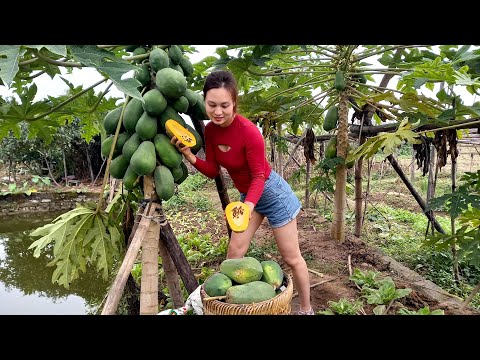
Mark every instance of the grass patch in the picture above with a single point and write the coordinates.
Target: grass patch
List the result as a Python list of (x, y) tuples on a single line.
[(400, 234)]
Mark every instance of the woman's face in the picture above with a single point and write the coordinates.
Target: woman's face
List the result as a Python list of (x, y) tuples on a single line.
[(219, 106)]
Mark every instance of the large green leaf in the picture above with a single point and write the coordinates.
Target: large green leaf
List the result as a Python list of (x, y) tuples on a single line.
[(85, 108), (71, 235), (456, 202), (7, 125), (9, 59), (106, 62), (388, 142), (56, 49), (100, 251)]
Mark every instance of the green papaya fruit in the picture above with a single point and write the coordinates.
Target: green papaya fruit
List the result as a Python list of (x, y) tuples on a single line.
[(146, 126), (166, 151), (118, 167), (339, 83), (164, 183), (158, 59), (242, 270), (144, 159), (331, 148), (217, 284), (248, 293), (155, 103), (331, 118), (171, 83), (272, 273), (133, 111)]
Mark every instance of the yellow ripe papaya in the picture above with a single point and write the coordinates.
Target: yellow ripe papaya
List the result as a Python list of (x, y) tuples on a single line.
[(173, 128), (238, 216)]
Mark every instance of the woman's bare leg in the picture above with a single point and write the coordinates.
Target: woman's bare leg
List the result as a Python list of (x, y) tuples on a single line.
[(239, 242), (287, 241)]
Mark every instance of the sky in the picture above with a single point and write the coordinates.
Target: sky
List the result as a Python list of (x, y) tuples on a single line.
[(88, 76)]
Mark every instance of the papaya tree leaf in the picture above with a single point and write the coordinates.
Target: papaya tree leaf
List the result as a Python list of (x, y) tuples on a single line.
[(419, 82), (64, 274), (446, 115), (86, 109), (70, 256), (388, 142), (456, 203), (465, 79), (43, 129), (56, 49), (106, 62), (99, 248), (7, 125), (72, 234), (9, 59), (27, 109), (239, 67), (56, 230)]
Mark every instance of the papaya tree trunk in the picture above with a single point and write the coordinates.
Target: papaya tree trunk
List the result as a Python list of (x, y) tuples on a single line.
[(456, 272), (366, 119), (337, 230), (359, 193), (65, 167), (307, 181), (279, 152), (89, 162)]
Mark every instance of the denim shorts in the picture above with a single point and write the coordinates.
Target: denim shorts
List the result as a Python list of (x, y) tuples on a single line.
[(278, 202)]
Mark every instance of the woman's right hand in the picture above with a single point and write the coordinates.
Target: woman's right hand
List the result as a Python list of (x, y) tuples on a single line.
[(185, 150)]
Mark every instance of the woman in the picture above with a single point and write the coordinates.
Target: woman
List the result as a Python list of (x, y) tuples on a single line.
[(235, 143)]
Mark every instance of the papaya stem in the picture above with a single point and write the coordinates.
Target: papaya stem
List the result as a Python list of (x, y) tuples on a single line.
[(58, 63), (66, 101), (109, 160)]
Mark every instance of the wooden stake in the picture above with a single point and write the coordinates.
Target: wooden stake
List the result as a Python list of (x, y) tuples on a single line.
[(118, 285)]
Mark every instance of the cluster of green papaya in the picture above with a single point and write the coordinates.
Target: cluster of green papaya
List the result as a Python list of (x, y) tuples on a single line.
[(245, 280), (143, 145)]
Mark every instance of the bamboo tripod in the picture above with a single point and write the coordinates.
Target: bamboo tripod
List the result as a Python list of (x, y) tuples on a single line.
[(155, 237)]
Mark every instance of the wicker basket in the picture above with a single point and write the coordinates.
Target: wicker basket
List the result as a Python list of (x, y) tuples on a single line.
[(278, 305)]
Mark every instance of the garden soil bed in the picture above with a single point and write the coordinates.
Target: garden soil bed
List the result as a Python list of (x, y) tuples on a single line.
[(331, 263)]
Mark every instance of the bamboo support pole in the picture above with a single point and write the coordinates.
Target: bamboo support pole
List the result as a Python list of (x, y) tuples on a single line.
[(118, 285)]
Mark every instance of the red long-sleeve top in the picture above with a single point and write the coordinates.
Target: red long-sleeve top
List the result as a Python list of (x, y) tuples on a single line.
[(245, 161)]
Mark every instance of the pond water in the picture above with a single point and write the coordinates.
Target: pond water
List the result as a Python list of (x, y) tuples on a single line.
[(26, 286)]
